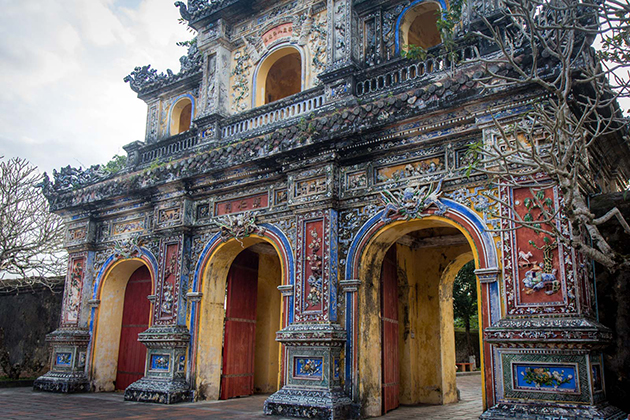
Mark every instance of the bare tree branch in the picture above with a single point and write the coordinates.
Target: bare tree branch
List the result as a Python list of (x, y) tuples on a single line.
[(31, 238), (548, 45)]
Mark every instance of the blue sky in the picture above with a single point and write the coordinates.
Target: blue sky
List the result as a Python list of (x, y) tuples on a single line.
[(62, 98)]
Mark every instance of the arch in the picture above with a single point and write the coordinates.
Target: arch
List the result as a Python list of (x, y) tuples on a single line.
[(266, 68), (181, 114), (369, 247), (407, 18), (105, 319), (217, 256)]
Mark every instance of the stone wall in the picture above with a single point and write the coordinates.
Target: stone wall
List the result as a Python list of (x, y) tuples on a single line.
[(460, 346), (613, 296), (26, 316)]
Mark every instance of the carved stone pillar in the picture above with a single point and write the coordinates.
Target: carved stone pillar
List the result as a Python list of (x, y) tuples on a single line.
[(314, 342), (168, 337), (342, 51), (69, 343), (214, 98), (548, 344)]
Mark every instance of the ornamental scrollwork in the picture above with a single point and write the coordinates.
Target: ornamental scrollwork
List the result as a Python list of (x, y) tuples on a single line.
[(69, 178), (411, 202), (144, 77), (238, 226), (315, 280), (128, 248)]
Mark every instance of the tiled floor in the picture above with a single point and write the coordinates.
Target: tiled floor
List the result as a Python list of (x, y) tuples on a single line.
[(23, 403)]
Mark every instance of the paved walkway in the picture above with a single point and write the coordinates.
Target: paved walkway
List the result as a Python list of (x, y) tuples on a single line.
[(23, 403)]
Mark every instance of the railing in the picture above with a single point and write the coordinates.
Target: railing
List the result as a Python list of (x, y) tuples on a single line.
[(274, 112), (413, 71), (172, 146)]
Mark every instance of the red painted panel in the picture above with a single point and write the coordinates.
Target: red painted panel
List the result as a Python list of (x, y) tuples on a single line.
[(313, 266), (253, 202), (389, 319), (132, 354), (531, 257), (237, 378)]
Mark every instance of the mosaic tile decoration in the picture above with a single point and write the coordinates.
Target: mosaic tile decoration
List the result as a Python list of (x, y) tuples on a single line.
[(63, 359), (545, 378), (541, 369), (160, 362), (308, 367)]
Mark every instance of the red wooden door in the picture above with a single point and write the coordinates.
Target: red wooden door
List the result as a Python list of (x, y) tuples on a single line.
[(132, 354), (389, 321), (237, 378)]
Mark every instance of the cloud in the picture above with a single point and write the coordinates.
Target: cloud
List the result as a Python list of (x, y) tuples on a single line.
[(62, 98)]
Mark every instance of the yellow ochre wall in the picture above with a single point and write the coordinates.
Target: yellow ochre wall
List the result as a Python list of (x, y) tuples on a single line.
[(268, 322), (425, 313)]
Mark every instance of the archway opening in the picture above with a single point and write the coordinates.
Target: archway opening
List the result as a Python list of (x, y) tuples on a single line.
[(181, 116), (135, 319), (239, 316), (419, 26), (279, 76), (407, 353), (118, 359)]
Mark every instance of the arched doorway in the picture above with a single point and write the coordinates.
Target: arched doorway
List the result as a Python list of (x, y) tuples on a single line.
[(416, 313), (417, 25), (124, 310), (252, 317), (363, 322), (135, 319), (278, 76), (239, 315), (181, 116)]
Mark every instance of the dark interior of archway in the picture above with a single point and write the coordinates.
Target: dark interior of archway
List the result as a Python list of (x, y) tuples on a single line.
[(423, 30), (433, 237), (284, 78), (184, 118)]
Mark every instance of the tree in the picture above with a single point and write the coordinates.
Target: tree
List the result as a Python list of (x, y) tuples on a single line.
[(548, 45), (465, 299), (31, 238)]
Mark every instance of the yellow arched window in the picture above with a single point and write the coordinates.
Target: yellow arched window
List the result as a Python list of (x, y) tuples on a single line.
[(419, 25), (181, 116), (279, 76)]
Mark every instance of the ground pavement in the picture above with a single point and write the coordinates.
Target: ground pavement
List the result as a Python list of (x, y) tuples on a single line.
[(23, 403)]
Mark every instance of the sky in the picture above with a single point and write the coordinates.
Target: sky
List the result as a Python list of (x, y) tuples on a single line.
[(62, 63)]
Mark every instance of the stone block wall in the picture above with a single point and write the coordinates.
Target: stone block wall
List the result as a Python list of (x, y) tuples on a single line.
[(26, 316)]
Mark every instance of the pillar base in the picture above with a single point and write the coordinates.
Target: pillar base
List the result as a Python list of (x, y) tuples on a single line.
[(62, 382), (312, 404), (514, 411), (158, 391), (165, 380), (67, 374)]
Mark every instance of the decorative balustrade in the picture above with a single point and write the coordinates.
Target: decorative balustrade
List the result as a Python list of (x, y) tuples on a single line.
[(390, 78), (260, 119), (170, 147), (286, 109)]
